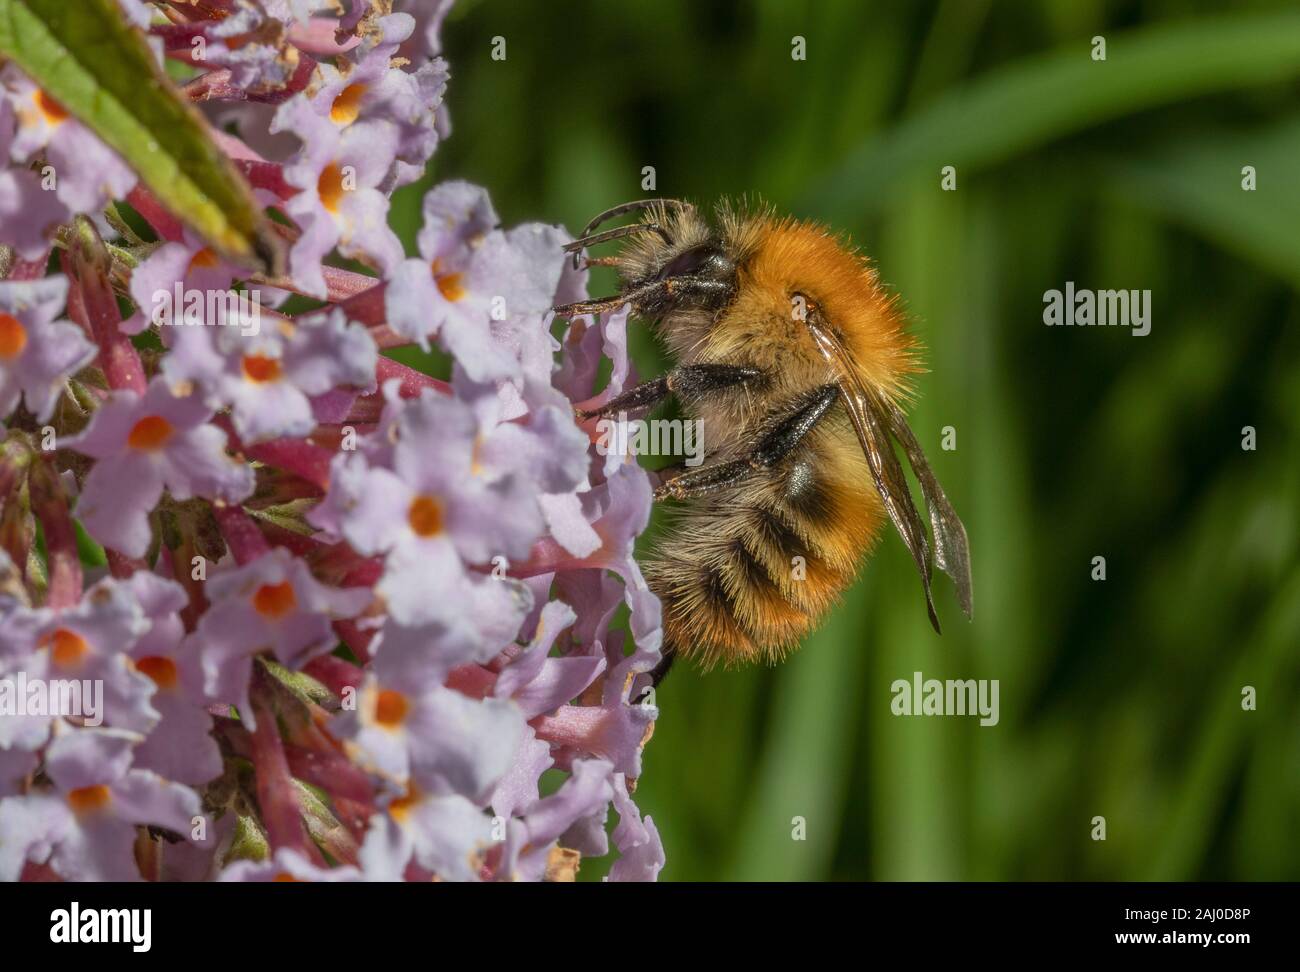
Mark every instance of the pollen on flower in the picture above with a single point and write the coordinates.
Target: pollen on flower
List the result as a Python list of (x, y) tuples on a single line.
[(347, 106), (425, 516), (67, 648), (450, 285), (159, 668), (476, 457), (391, 708), (13, 337), (284, 877), (330, 186), (275, 600), (400, 809), (54, 112), (204, 258), (259, 368), (88, 799), (150, 433)]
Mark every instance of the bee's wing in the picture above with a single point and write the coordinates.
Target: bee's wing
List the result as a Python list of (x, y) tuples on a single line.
[(874, 419), (951, 549)]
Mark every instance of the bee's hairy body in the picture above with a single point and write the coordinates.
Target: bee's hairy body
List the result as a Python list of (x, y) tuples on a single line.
[(746, 576), (772, 528)]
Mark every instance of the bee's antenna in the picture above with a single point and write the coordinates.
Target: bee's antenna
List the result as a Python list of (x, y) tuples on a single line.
[(586, 239), (577, 246), (628, 207)]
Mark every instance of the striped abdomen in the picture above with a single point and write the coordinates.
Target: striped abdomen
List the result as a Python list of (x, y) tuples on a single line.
[(744, 573)]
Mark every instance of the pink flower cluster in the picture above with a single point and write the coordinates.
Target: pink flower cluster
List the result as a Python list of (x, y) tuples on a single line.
[(322, 617)]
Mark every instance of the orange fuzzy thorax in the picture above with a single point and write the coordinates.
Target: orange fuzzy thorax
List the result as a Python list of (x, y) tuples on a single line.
[(790, 257)]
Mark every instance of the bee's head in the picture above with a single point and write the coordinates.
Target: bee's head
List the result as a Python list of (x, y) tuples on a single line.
[(672, 260)]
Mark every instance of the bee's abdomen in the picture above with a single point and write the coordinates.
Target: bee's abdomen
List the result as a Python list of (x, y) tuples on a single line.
[(746, 578)]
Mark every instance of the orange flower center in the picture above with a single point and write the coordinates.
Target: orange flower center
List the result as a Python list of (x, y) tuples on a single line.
[(151, 432), (391, 708), (330, 187), (425, 516), (54, 112), (274, 601), (161, 670), (204, 258), (67, 648), (402, 806), (13, 337), (261, 369), (88, 799), (347, 105), (450, 285), (284, 877)]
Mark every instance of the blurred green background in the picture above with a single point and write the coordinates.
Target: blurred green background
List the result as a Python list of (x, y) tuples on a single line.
[(1119, 698)]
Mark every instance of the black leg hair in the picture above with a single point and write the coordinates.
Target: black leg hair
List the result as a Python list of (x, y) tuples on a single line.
[(774, 445), (688, 381), (660, 671)]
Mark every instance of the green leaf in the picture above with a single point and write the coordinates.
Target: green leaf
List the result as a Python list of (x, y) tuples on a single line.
[(1030, 103), (86, 56), (1197, 182)]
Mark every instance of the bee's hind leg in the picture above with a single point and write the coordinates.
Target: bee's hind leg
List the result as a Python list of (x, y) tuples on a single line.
[(782, 435), (658, 673)]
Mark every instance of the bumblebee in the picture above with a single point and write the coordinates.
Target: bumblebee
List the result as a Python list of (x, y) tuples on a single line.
[(796, 360)]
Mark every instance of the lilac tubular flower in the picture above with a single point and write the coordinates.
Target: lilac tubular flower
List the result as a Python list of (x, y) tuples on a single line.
[(271, 604), (84, 825), (29, 213), (251, 44), (188, 262), (618, 511), (540, 684), (475, 285), (444, 835), (86, 172), (366, 92), (145, 444), (439, 508), (429, 15), (180, 747), (37, 352), (412, 732), (586, 793), (16, 763), (86, 644), (21, 735), (342, 203), (641, 854), (519, 787), (268, 378)]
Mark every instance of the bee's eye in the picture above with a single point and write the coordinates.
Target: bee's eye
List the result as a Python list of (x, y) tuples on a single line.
[(706, 260)]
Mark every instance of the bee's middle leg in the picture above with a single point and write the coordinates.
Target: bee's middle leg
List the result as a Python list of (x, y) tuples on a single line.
[(688, 381)]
